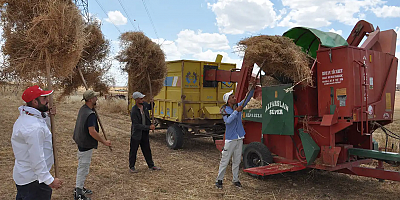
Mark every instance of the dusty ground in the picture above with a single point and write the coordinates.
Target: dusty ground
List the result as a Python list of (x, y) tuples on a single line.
[(188, 173)]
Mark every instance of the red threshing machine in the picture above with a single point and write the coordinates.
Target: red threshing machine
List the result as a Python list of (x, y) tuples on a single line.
[(328, 126)]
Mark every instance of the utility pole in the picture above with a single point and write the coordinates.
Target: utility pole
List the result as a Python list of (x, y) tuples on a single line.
[(83, 5)]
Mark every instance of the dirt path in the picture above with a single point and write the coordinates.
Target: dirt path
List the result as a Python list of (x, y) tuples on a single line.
[(188, 173)]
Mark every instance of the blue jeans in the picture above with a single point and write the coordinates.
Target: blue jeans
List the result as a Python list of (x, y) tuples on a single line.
[(33, 191)]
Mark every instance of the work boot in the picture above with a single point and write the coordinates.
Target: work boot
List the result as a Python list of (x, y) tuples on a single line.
[(218, 184), (79, 195), (133, 170), (154, 168), (237, 184), (87, 191), (84, 191)]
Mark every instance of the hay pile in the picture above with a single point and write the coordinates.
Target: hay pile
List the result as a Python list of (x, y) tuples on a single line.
[(254, 104), (40, 32), (93, 63), (284, 60), (142, 57)]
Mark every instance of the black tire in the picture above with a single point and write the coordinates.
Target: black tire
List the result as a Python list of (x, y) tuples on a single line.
[(174, 137), (256, 154)]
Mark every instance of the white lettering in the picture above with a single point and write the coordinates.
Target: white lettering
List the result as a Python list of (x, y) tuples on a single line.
[(276, 112), (277, 104)]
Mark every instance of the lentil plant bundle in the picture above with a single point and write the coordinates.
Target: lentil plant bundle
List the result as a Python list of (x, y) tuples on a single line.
[(38, 33), (143, 58), (284, 60), (93, 63)]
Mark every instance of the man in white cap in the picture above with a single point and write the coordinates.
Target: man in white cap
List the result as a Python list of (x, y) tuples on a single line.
[(86, 136), (234, 135), (141, 125), (32, 145)]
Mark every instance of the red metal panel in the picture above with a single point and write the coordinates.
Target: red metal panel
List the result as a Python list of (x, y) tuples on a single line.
[(375, 173), (344, 155), (243, 81), (366, 78), (330, 155), (359, 31), (210, 75), (306, 94), (237, 77), (253, 132), (338, 167), (224, 76), (220, 144), (275, 168)]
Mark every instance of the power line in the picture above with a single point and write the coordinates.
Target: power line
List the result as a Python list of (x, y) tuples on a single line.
[(107, 15), (123, 8), (151, 21)]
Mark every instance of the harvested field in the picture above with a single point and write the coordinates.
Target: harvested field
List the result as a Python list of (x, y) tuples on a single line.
[(188, 173)]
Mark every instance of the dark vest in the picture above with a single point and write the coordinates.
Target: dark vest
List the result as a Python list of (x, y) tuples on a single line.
[(81, 133)]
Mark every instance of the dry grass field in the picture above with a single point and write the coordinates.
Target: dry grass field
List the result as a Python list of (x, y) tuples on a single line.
[(188, 173)]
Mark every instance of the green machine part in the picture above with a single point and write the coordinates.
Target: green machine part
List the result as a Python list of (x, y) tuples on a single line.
[(254, 115), (379, 155), (311, 149), (278, 114)]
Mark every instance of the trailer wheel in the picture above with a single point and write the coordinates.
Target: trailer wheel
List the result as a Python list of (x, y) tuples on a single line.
[(256, 154), (174, 137)]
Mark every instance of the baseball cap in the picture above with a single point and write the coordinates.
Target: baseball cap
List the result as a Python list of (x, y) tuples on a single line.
[(226, 96), (34, 92), (88, 94), (136, 95)]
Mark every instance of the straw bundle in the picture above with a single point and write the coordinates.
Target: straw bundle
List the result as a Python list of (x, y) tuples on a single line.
[(40, 32), (142, 58), (268, 81), (254, 104), (93, 63), (284, 60)]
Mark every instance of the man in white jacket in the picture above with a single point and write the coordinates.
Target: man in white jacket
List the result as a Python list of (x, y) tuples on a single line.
[(33, 150)]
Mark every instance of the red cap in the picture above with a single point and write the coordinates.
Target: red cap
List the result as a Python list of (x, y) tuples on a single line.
[(34, 92)]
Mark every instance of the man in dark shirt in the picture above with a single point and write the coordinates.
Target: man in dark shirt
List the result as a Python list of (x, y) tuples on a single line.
[(141, 125), (86, 136)]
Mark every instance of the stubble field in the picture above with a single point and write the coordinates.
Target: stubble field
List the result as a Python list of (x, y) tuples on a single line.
[(188, 173)]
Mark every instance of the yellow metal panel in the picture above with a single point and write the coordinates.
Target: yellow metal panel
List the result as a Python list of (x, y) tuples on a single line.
[(191, 75), (192, 110), (162, 109), (199, 102), (173, 93), (212, 110)]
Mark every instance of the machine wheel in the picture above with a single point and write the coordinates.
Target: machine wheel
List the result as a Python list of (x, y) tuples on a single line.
[(256, 154), (174, 137)]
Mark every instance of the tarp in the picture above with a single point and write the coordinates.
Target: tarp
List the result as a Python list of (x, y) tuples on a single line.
[(310, 39)]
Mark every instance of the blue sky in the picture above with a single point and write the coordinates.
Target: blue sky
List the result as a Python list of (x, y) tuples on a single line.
[(200, 29)]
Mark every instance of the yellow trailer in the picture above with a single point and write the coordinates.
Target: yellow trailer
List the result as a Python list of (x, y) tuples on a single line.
[(189, 105)]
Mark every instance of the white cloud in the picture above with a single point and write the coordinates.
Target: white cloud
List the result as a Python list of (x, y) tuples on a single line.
[(170, 49), (116, 18), (387, 11), (336, 31), (239, 16), (314, 13), (211, 55), (190, 42)]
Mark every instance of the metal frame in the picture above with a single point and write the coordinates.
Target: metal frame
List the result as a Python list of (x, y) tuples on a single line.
[(84, 6)]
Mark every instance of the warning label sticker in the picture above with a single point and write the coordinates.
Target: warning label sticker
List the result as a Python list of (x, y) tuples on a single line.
[(332, 77)]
